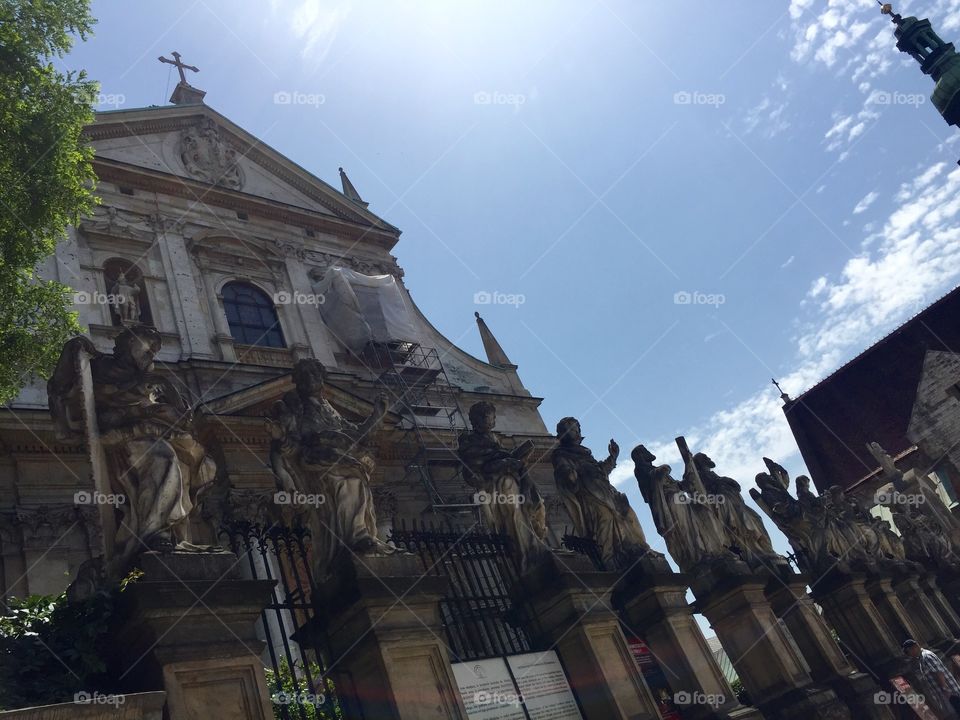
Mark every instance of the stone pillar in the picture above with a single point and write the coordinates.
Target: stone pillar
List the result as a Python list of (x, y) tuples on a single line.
[(316, 333), (574, 616), (188, 627), (928, 583), (933, 630), (849, 609), (828, 665), (384, 635), (220, 325), (653, 603), (900, 623), (761, 649)]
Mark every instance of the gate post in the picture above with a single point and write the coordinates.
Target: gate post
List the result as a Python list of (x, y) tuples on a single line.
[(574, 616), (382, 629)]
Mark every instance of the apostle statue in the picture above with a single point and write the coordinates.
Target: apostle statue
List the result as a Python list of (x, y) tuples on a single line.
[(509, 499), (156, 467), (125, 301), (323, 463), (692, 530), (598, 510)]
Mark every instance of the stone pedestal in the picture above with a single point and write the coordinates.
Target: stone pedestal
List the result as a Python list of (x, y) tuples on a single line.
[(900, 623), (850, 611), (940, 603), (188, 627), (573, 614), (652, 602), (759, 646), (828, 666), (384, 635), (933, 630)]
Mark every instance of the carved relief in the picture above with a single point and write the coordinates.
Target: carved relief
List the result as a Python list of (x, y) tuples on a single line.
[(106, 220), (208, 158)]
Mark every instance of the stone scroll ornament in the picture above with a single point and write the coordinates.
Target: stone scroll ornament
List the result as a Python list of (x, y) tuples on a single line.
[(149, 469), (509, 499), (323, 464), (599, 511)]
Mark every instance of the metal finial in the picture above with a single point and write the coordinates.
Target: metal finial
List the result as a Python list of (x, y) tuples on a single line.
[(783, 395)]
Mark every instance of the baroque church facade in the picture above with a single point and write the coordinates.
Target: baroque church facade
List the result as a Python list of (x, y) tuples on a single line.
[(246, 263)]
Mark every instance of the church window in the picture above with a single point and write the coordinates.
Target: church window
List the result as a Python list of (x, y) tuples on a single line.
[(251, 316)]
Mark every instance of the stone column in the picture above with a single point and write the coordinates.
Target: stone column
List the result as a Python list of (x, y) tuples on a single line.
[(849, 609), (316, 333), (828, 665), (384, 636), (653, 603), (573, 615), (188, 626), (760, 647), (900, 623), (928, 583), (933, 630), (220, 325)]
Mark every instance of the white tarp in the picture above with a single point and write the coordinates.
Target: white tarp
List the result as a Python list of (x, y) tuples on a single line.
[(362, 308)]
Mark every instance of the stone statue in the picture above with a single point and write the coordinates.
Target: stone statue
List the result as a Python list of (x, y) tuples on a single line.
[(742, 522), (691, 530), (125, 304), (323, 463), (598, 510), (509, 499), (157, 469)]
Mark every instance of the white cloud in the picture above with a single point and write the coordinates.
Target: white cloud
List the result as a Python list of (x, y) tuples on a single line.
[(869, 199), (788, 262), (315, 23)]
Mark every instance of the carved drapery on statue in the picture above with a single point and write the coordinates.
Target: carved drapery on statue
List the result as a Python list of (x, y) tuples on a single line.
[(149, 468), (509, 499), (598, 510), (323, 464)]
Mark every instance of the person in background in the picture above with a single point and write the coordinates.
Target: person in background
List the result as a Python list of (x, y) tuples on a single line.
[(942, 686)]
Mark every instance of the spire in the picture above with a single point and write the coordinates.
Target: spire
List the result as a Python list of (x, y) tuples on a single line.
[(349, 190), (495, 354), (184, 93), (783, 396), (937, 58)]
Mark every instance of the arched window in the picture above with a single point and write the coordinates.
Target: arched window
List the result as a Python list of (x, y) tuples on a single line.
[(251, 316), (125, 285)]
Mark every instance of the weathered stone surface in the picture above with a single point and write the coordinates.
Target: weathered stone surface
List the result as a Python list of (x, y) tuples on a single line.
[(133, 706)]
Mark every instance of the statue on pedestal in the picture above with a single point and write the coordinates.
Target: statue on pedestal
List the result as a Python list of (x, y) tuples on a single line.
[(599, 511), (157, 469), (509, 499), (323, 463), (125, 302), (691, 530)]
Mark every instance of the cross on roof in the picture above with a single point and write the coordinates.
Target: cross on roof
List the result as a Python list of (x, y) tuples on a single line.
[(180, 65)]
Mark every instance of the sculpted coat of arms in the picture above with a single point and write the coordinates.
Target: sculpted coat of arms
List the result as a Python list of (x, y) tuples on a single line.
[(208, 158)]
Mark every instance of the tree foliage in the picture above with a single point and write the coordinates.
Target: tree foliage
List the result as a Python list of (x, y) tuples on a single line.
[(46, 178)]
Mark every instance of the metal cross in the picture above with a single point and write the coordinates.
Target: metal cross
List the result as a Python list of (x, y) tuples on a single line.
[(180, 65)]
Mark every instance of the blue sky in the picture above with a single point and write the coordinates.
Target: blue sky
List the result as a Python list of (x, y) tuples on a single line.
[(778, 161)]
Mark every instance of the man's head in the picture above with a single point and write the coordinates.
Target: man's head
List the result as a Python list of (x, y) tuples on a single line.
[(568, 431), (641, 455), (137, 346), (703, 460), (483, 416), (911, 648)]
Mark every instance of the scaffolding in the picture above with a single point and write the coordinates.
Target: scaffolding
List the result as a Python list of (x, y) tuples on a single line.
[(417, 383)]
